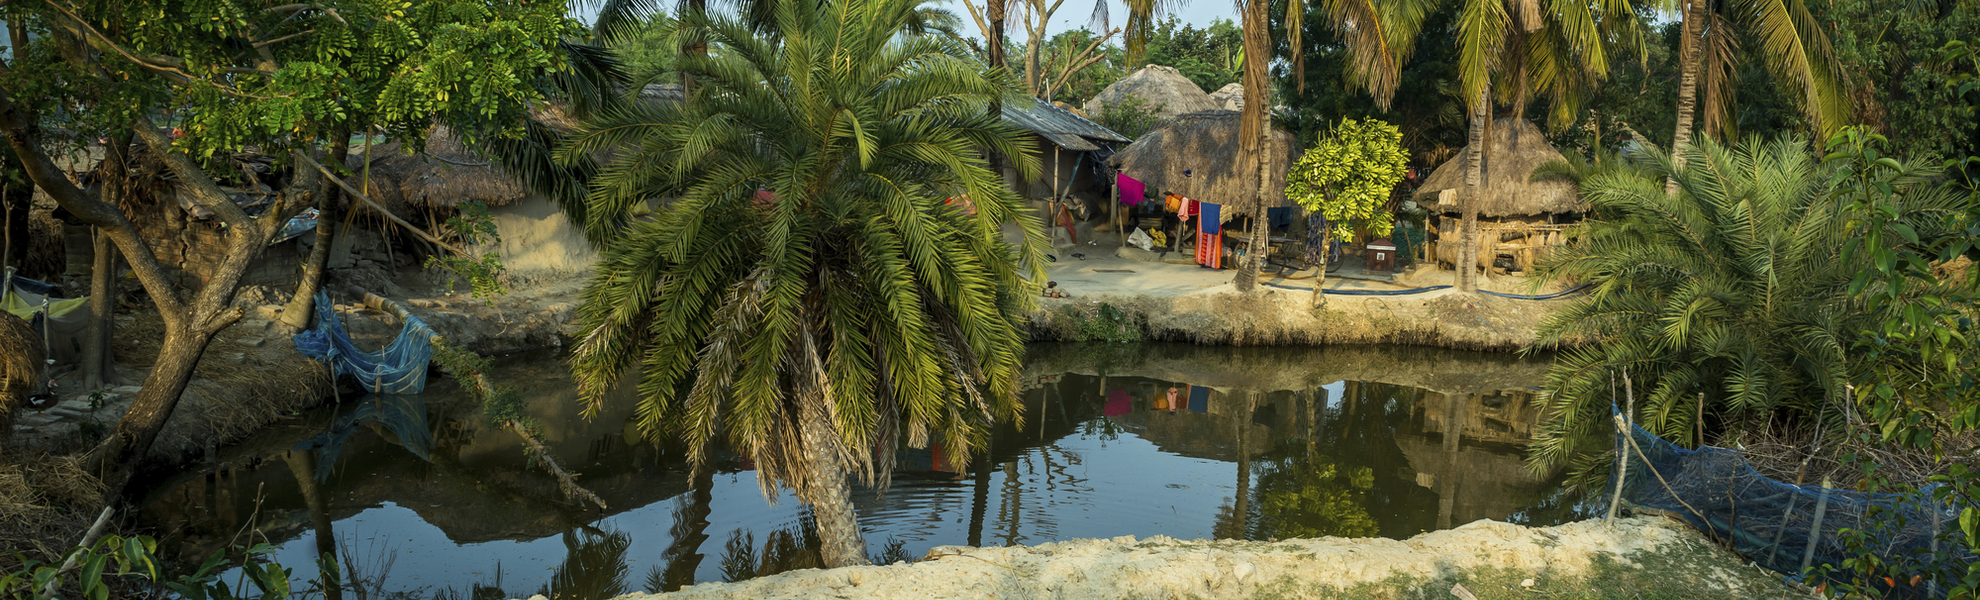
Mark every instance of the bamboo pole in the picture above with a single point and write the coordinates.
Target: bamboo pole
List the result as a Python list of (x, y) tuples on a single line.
[(565, 480), (1821, 506), (95, 531), (374, 204)]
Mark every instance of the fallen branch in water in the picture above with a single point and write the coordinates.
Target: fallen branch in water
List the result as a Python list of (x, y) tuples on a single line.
[(469, 369)]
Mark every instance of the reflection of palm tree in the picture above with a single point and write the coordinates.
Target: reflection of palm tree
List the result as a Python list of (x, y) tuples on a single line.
[(302, 464), (594, 566), (690, 530)]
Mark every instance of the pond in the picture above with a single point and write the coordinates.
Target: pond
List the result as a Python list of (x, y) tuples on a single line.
[(417, 494)]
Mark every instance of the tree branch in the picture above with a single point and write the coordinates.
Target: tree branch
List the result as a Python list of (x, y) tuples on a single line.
[(333, 178), (17, 125), (1079, 62)]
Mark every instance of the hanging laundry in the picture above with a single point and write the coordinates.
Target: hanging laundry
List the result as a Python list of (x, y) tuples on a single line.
[(1280, 217), (1118, 403), (1212, 217), (1199, 399), (1316, 235), (1131, 190), (1173, 204), (1171, 401), (1210, 250)]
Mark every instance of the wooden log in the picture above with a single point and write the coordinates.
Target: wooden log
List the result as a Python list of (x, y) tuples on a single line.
[(1814, 529)]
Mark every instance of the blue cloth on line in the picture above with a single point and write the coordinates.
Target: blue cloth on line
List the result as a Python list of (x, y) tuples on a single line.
[(398, 369), (1199, 399), (1212, 222), (1280, 217)]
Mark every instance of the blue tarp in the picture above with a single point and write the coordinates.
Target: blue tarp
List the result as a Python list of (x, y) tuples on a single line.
[(398, 369)]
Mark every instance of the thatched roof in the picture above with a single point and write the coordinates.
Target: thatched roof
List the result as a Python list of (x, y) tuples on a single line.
[(1206, 144), (446, 175), (1163, 88), (1229, 97), (1517, 148)]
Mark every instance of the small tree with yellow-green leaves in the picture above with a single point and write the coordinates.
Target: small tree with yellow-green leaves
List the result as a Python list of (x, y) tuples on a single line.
[(1347, 176)]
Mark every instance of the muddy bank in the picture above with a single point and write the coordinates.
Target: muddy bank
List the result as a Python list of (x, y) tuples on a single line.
[(1644, 556), (1274, 316)]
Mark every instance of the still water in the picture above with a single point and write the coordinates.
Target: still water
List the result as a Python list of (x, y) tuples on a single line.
[(418, 494)]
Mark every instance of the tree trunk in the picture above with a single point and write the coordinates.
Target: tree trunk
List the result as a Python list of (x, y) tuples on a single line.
[(980, 494), (117, 458), (302, 466), (839, 541), (1481, 114), (1253, 131), (683, 556), (995, 45), (1689, 54), (16, 201), (98, 362), (1320, 280), (296, 315)]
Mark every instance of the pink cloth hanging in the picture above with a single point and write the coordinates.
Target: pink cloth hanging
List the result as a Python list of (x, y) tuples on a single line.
[(1131, 190)]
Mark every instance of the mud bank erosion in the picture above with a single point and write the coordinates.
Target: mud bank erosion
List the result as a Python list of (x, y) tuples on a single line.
[(1281, 317), (1637, 557)]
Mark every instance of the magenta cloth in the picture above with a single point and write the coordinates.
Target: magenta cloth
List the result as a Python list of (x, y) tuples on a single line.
[(1131, 190), (1118, 403)]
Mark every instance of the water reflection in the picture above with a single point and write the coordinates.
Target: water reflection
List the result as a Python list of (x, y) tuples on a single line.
[(1118, 440)]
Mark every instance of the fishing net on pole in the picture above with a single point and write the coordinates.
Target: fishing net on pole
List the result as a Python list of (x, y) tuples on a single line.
[(1790, 528), (398, 369)]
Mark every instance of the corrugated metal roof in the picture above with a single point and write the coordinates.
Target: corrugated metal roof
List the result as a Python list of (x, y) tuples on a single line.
[(1068, 130)]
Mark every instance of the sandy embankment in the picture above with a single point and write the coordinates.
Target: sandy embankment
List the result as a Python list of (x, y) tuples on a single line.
[(1647, 556)]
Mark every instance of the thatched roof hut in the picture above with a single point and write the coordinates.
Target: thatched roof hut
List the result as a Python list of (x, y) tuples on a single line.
[(448, 174), (1229, 97), (1516, 148), (1206, 145), (1164, 90)]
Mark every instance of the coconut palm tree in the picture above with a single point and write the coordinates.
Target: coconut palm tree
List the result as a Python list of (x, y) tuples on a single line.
[(1727, 298), (828, 279), (1793, 45)]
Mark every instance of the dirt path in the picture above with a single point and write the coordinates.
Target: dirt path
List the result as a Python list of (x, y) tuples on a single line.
[(1644, 557)]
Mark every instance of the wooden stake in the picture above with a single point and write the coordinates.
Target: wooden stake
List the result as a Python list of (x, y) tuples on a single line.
[(1821, 506)]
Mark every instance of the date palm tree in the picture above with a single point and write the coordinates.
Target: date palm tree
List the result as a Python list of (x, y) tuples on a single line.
[(827, 279), (1792, 44)]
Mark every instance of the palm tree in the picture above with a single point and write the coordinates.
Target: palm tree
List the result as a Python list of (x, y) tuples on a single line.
[(828, 280), (1727, 298), (1793, 44)]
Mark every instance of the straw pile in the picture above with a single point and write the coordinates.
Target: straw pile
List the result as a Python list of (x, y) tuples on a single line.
[(446, 175), (1516, 147), (20, 369), (45, 502), (1205, 144)]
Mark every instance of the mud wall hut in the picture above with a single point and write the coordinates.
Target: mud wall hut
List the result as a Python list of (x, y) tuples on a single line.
[(537, 241), (1196, 155), (1517, 217)]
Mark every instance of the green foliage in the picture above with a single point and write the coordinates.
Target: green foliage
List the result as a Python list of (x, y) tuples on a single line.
[(811, 257), (1104, 323), (341, 65), (1736, 291), (1132, 117), (1903, 86), (96, 569), (1208, 56), (1349, 174), (473, 227)]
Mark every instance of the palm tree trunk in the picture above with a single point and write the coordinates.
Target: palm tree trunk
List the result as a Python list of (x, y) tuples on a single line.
[(1481, 113), (839, 540), (296, 315), (1253, 131), (1689, 56)]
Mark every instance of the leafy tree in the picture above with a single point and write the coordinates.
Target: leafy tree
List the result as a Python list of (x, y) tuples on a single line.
[(1132, 117), (292, 82), (830, 281), (1310, 497), (1348, 176), (1207, 56), (1731, 299)]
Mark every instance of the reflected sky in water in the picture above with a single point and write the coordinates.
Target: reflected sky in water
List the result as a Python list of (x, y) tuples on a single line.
[(1342, 441)]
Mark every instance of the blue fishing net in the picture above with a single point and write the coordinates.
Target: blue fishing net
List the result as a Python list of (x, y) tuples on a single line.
[(1797, 529), (398, 369)]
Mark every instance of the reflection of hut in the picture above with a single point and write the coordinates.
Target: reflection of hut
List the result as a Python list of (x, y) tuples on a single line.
[(1204, 144), (1069, 150), (536, 239), (1516, 216), (1161, 90)]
